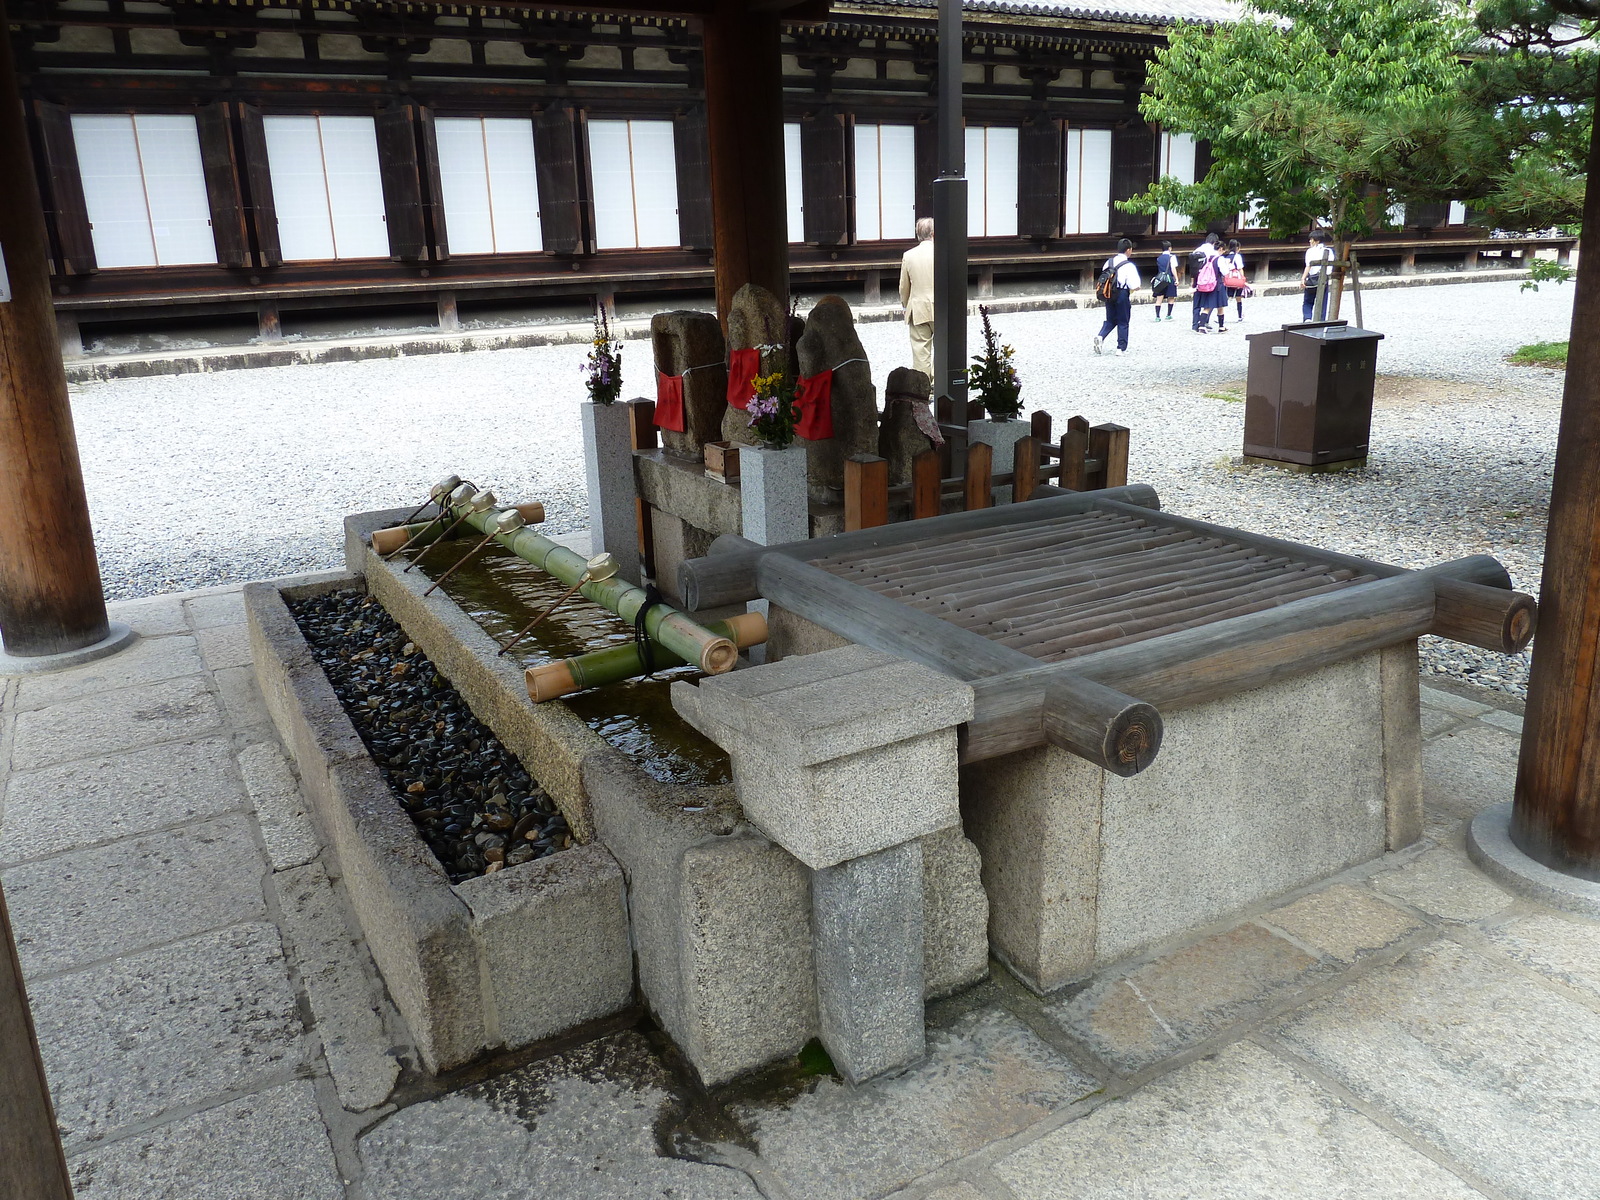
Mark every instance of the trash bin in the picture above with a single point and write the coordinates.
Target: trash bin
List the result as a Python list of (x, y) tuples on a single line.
[(1308, 401)]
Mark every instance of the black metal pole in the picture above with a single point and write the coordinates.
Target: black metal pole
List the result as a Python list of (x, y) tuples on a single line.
[(950, 223)]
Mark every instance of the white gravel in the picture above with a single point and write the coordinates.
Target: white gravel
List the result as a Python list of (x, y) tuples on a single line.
[(196, 480)]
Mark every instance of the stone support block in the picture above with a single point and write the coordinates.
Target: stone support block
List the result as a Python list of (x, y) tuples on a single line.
[(1254, 795), (674, 541), (608, 467), (1003, 436), (773, 487), (868, 921), (839, 754)]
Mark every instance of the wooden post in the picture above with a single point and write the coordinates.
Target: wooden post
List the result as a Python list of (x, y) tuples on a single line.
[(872, 288), (866, 492), (1025, 470), (927, 478), (985, 283), (744, 126), (1556, 816), (1074, 449), (269, 325), (1109, 444), (33, 1164), (1039, 426), (50, 598), (642, 436), (449, 317), (980, 471)]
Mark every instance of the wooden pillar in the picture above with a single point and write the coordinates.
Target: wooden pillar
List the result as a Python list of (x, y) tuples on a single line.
[(71, 335), (50, 598), (1556, 818), (449, 317), (744, 125), (33, 1164), (872, 288), (269, 325)]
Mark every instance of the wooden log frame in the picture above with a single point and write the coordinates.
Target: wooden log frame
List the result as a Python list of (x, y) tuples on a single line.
[(1104, 704)]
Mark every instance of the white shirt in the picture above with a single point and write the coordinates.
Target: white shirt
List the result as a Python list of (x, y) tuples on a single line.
[(1127, 273), (1230, 262), (1315, 257)]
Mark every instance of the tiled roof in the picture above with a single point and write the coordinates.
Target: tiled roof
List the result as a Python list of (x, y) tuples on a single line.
[(1142, 12)]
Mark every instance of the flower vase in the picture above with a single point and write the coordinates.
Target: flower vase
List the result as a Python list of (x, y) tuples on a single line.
[(1003, 435)]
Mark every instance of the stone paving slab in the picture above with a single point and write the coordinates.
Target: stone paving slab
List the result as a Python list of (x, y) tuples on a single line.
[(1469, 769), (1460, 706), (88, 905), (1444, 883), (151, 617), (241, 697), (268, 1146), (1344, 922), (110, 721), (218, 608), (224, 646), (344, 999), (1492, 1068), (282, 812), (1562, 947), (576, 1126), (131, 1039), (1242, 1125), (148, 660), (985, 1078), (1132, 1018), (101, 799)]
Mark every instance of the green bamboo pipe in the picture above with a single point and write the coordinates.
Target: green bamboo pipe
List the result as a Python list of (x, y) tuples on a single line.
[(613, 664), (713, 653), (386, 541)]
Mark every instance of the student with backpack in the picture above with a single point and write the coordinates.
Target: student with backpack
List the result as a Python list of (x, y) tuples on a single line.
[(1318, 254), (1206, 282), (1231, 266), (1165, 284), (1117, 282)]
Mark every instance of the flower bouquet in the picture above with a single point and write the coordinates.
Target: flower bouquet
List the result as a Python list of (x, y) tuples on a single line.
[(603, 368), (993, 377), (772, 410)]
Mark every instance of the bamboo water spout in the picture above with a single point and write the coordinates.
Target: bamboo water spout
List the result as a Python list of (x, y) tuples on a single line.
[(712, 652)]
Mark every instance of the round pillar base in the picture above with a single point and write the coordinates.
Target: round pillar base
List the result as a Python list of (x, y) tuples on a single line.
[(1489, 845), (120, 638)]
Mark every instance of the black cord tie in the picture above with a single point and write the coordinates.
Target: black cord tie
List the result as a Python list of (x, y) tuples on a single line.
[(641, 640)]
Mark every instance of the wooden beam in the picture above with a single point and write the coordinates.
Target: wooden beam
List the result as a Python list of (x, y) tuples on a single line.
[(50, 595), (866, 492), (728, 574), (1491, 617)]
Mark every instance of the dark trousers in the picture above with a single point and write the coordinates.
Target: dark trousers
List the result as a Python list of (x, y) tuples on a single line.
[(1202, 316), (1308, 301), (1118, 313)]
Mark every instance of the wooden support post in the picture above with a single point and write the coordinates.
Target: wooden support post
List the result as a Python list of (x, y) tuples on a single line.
[(70, 333), (449, 318), (1109, 444), (979, 476), (866, 492), (1039, 427), (1074, 452), (642, 436), (985, 283), (1564, 255), (1024, 470), (1556, 817), (927, 476), (50, 597), (872, 288), (269, 326), (605, 300), (1263, 270), (1408, 262), (34, 1165), (743, 70), (1469, 261)]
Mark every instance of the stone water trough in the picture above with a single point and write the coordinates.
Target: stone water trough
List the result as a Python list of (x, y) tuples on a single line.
[(672, 898)]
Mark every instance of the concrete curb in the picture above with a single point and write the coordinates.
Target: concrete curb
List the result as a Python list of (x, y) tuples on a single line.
[(138, 366), (1489, 845)]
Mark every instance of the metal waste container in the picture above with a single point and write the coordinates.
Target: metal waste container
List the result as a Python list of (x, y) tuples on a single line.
[(1308, 396)]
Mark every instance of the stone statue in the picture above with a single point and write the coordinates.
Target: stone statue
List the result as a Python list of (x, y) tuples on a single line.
[(910, 426), (756, 318), (830, 342), (689, 344)]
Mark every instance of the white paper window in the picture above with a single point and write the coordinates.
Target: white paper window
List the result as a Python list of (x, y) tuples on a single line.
[(1088, 186), (1254, 217), (635, 184), (1458, 213), (1396, 215), (991, 181), (794, 191), (327, 187), (886, 183), (145, 189), (1177, 160), (489, 184)]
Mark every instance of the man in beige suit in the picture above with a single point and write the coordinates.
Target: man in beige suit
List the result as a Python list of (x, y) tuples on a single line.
[(916, 296)]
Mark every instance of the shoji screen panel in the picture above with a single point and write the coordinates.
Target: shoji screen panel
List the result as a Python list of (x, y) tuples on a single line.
[(794, 182), (1177, 159), (1088, 186), (489, 178), (1457, 214), (144, 187), (886, 183), (327, 187), (991, 181), (634, 174)]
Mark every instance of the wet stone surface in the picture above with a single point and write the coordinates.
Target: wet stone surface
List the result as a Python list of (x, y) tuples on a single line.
[(473, 802)]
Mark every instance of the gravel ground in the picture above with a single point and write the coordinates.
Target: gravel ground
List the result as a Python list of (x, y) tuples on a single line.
[(204, 479)]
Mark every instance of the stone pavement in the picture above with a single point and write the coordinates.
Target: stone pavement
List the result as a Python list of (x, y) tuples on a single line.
[(213, 1028)]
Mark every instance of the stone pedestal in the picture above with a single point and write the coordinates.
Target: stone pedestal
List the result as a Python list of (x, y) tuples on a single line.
[(608, 468), (843, 758), (775, 506), (1003, 436)]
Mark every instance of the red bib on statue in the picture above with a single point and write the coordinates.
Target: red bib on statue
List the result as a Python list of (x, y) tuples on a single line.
[(813, 396), (669, 401), (743, 367)]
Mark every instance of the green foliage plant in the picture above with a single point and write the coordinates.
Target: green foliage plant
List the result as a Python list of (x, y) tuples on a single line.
[(993, 375)]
